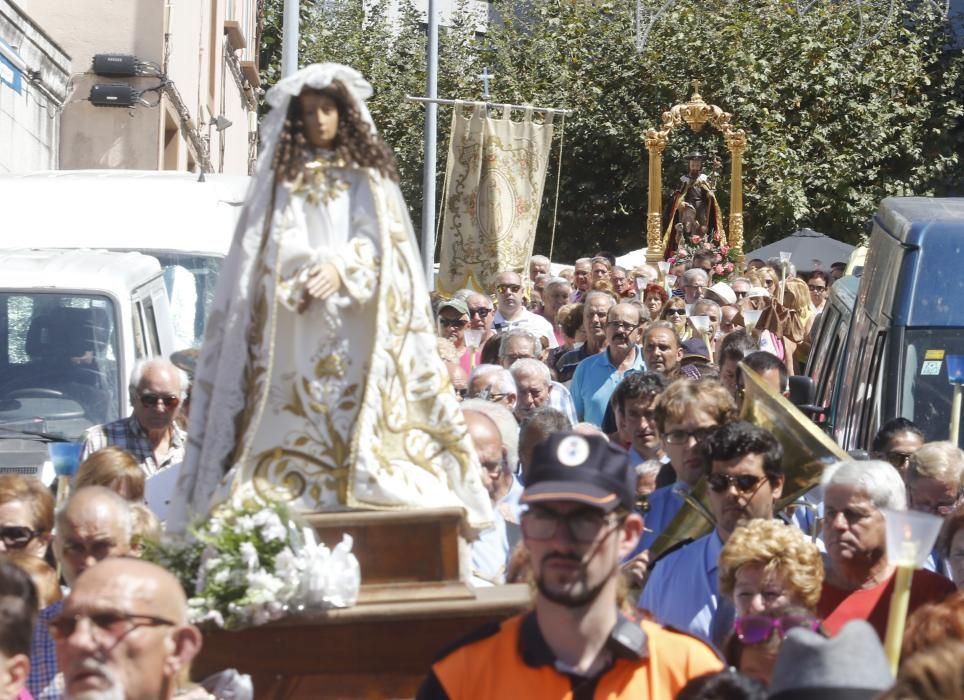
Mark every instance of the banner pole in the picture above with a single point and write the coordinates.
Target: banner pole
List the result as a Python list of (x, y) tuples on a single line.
[(431, 150)]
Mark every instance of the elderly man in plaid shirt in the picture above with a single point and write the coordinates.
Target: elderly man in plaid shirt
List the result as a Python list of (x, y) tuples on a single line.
[(150, 433)]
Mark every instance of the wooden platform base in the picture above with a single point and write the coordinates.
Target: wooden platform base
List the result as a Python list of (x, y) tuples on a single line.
[(381, 650), (412, 604)]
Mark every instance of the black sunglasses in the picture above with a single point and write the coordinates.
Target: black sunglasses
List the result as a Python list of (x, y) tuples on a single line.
[(151, 400), (481, 312), (17, 536), (514, 288), (744, 482), (452, 322)]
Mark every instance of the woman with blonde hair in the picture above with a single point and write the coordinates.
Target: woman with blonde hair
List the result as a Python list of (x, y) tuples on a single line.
[(802, 305), (113, 468), (26, 515), (784, 327), (773, 575), (766, 563)]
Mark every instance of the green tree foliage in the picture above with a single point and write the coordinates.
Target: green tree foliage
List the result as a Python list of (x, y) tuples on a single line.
[(388, 47), (841, 109)]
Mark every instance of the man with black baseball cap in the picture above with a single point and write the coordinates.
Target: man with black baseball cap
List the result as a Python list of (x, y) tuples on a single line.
[(578, 527)]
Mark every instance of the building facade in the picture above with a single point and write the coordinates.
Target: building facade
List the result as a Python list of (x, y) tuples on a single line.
[(34, 71), (195, 86)]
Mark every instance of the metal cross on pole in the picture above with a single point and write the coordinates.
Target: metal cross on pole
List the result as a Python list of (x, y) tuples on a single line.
[(484, 77)]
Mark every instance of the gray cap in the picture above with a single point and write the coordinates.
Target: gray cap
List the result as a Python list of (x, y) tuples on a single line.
[(850, 666), (455, 304)]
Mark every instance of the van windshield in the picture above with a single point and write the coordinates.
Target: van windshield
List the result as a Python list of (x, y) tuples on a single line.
[(58, 362), (925, 392)]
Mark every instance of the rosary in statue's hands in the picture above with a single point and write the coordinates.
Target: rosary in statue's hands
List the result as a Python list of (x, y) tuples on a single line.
[(323, 281)]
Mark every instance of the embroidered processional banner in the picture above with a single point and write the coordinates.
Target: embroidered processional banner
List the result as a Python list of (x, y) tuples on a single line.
[(493, 195)]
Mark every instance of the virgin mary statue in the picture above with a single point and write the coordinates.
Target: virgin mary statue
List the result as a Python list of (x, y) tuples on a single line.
[(319, 382)]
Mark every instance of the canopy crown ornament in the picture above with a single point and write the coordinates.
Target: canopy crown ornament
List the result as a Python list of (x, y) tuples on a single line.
[(695, 114)]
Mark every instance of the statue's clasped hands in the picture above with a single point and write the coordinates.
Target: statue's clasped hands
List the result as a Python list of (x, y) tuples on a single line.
[(323, 281)]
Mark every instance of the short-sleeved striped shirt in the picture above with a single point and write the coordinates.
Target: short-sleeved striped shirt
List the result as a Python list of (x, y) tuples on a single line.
[(128, 434)]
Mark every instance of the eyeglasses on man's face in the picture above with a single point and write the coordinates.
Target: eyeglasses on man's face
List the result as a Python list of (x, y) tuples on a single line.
[(898, 459), (744, 483), (151, 400), (106, 627), (817, 289), (481, 312), (622, 326), (583, 526), (681, 437), (503, 288), (512, 357)]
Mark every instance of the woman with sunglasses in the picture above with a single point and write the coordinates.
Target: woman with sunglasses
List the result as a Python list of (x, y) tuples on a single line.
[(753, 646), (26, 515), (771, 575), (766, 564), (674, 311)]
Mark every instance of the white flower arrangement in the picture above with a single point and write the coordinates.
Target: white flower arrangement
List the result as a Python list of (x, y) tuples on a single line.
[(247, 565)]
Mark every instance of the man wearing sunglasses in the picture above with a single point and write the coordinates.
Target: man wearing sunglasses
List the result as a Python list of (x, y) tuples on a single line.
[(481, 314), (744, 474), (123, 633), (512, 312), (597, 377), (150, 433), (579, 525)]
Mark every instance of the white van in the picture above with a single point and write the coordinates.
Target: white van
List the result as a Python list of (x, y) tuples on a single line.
[(72, 325), (184, 221)]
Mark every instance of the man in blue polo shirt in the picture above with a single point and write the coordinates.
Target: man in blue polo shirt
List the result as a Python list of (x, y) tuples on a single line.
[(597, 376)]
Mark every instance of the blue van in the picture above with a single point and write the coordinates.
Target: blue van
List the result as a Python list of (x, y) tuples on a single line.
[(825, 365), (908, 316)]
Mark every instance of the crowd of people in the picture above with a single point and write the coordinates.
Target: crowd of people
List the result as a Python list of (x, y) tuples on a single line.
[(596, 405), (596, 365)]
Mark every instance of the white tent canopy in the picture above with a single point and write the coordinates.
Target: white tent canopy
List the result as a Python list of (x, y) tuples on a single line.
[(633, 258)]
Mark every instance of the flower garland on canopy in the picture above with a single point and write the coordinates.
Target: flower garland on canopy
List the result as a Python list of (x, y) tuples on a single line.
[(724, 258)]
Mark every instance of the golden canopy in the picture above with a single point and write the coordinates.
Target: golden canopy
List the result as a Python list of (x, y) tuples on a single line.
[(695, 113)]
